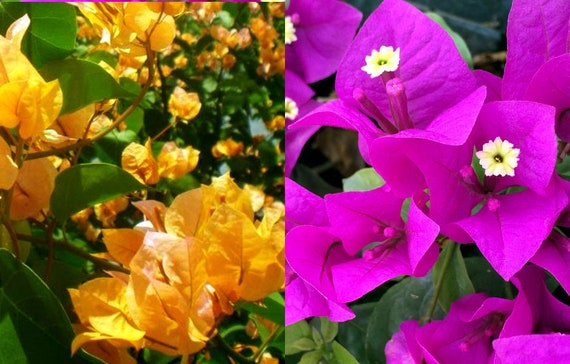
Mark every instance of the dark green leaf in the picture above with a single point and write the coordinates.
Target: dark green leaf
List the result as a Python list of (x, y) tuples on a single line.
[(484, 277), (273, 308), (33, 325), (363, 180), (51, 35), (85, 185), (350, 333), (456, 282), (459, 42), (82, 83), (341, 355), (407, 300), (110, 148)]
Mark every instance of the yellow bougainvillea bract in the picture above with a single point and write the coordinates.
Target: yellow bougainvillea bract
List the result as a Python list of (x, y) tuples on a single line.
[(189, 263)]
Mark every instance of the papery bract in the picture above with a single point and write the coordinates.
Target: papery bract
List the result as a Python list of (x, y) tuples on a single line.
[(311, 253), (375, 218), (323, 29), (167, 277), (295, 138)]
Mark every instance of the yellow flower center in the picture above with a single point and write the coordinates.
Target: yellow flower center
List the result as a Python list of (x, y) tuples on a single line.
[(498, 158), (291, 109), (290, 36), (386, 59)]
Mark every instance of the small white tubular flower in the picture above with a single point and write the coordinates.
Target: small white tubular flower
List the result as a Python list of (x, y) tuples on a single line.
[(290, 36), (291, 109), (498, 158), (386, 59)]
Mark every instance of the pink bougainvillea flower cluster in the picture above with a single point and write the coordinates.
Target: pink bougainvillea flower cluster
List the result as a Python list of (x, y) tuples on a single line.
[(465, 155), (316, 37)]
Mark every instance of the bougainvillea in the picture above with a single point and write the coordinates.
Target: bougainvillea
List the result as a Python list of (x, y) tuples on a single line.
[(142, 158), (437, 252)]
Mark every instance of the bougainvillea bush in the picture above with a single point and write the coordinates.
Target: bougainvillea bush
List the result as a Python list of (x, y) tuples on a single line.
[(451, 247), (141, 182)]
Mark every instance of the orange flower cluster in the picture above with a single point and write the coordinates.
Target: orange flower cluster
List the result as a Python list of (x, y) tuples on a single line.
[(130, 27), (28, 105), (173, 162), (189, 264)]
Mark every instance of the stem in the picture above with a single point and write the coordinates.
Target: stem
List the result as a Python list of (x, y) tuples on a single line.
[(13, 237), (508, 290), (101, 263), (230, 351), (168, 127), (87, 142), (267, 341), (439, 283)]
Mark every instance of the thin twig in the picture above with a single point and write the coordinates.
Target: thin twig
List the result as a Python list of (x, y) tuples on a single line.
[(100, 263), (439, 283)]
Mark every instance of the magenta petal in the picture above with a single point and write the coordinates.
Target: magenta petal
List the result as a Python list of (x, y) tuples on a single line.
[(355, 278), (295, 139), (503, 240), (537, 31), (339, 114), (303, 207), (493, 83), (403, 347), (355, 215), (398, 158), (529, 126), (324, 29), (431, 69), (311, 252), (551, 85), (421, 233), (414, 255), (554, 256), (532, 349), (303, 301), (296, 88)]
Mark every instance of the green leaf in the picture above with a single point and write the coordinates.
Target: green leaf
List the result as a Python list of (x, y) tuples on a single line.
[(273, 308), (312, 357), (350, 333), (82, 83), (341, 355), (405, 209), (484, 277), (563, 169), (110, 148), (33, 325), (52, 31), (479, 171), (317, 337), (456, 282), (328, 329), (406, 300), (457, 39), (365, 179), (293, 333), (85, 185)]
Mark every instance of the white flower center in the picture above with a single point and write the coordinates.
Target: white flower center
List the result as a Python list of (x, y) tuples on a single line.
[(498, 158), (386, 59), (291, 109), (290, 36)]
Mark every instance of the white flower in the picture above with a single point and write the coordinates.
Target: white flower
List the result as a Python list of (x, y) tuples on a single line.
[(386, 59), (291, 109), (290, 36), (498, 158)]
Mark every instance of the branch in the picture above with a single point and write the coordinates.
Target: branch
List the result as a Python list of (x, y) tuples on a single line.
[(101, 263)]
